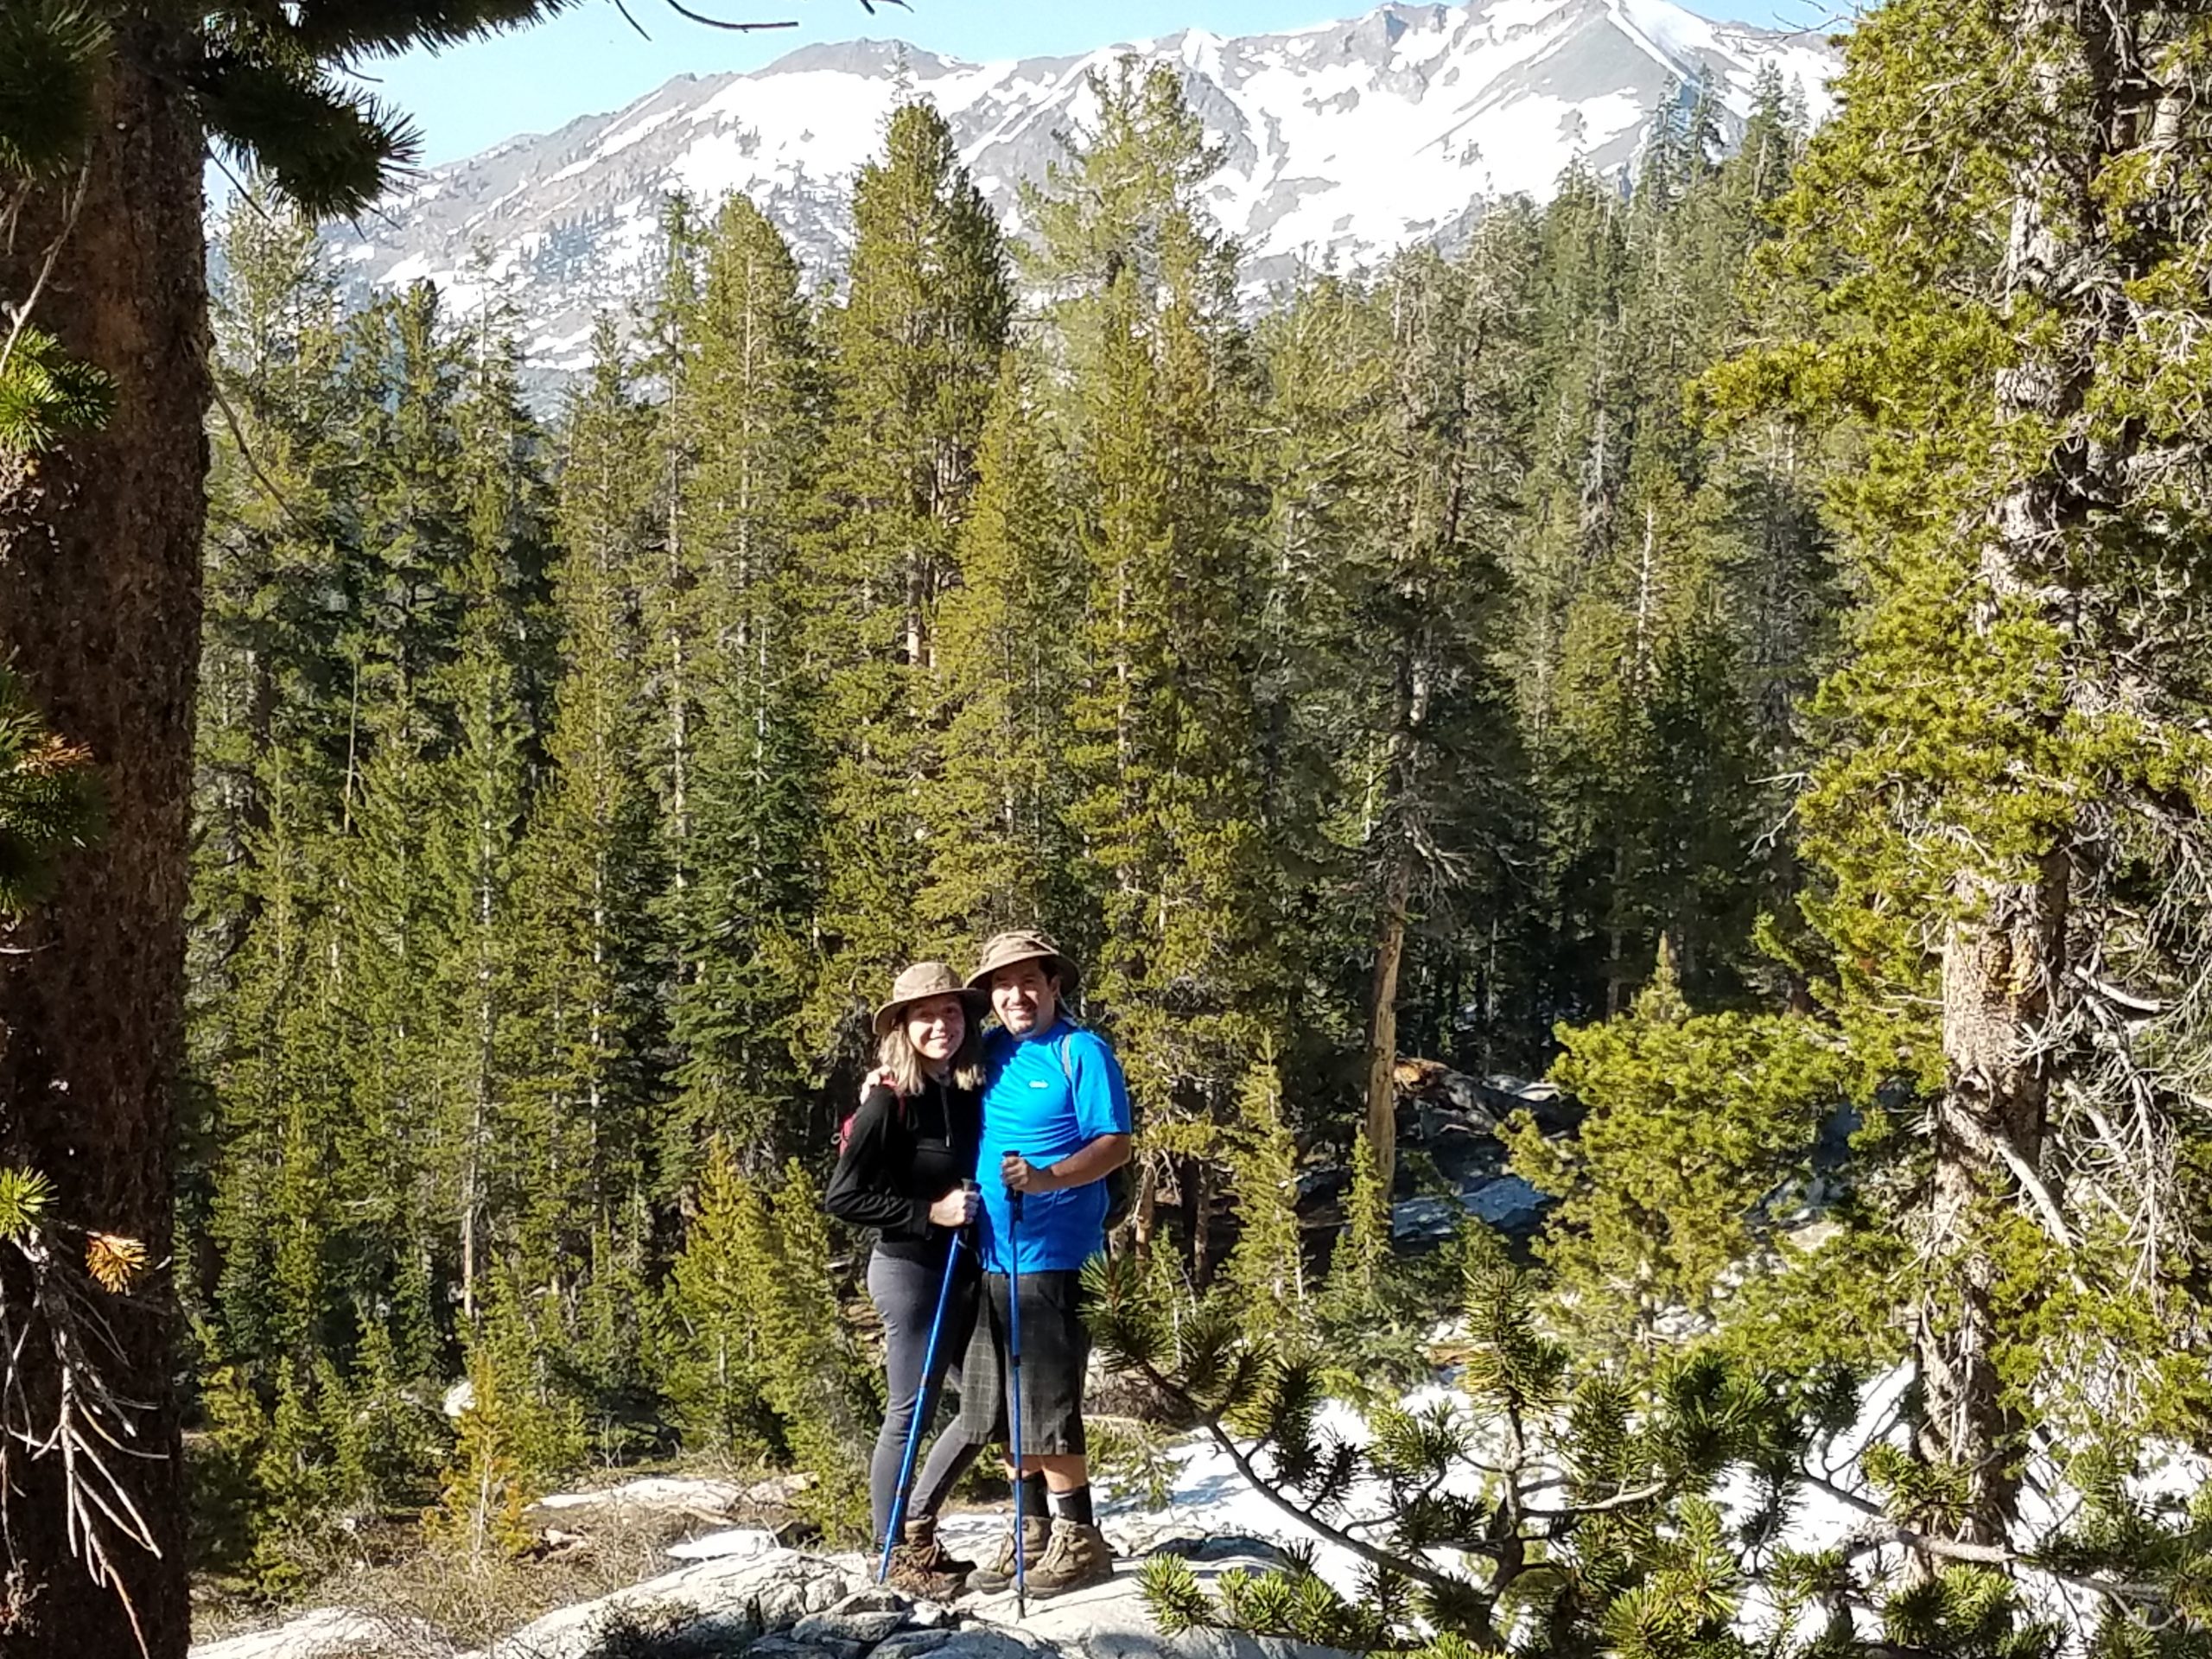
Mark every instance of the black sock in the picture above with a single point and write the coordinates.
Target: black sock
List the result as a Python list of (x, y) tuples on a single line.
[(1034, 1498), (1074, 1507)]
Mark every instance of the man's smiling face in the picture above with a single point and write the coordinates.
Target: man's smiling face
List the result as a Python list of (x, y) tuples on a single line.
[(1025, 998)]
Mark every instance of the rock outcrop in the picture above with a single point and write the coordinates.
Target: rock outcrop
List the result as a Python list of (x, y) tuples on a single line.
[(789, 1605)]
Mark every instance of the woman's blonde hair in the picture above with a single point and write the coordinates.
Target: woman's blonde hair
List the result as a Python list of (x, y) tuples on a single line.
[(904, 1061)]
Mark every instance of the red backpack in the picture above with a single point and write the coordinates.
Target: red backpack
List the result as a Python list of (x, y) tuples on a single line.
[(845, 1124)]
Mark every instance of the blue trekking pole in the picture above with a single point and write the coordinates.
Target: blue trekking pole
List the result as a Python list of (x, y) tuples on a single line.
[(921, 1407), (1013, 1403)]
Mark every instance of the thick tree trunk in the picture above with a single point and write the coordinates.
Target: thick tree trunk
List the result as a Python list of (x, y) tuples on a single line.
[(2003, 957), (100, 611), (2000, 965)]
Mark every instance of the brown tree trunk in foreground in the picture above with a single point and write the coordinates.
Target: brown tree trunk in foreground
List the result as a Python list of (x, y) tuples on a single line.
[(2004, 955), (1990, 1128), (100, 611)]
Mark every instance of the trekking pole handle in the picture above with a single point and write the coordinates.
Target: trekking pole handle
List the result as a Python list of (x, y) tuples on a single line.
[(1013, 1194)]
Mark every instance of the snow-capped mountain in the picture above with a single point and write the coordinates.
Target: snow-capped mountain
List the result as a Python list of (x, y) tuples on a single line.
[(1342, 141)]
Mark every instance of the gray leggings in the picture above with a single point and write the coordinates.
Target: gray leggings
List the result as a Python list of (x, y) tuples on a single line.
[(904, 1292)]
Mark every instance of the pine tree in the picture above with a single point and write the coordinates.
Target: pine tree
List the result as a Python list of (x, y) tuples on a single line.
[(1420, 601), (608, 1360), (1163, 752), (1637, 691), (1983, 922), (578, 1157), (109, 110), (274, 707), (1363, 1249), (493, 689), (293, 1481), (813, 1375), (716, 1379), (1629, 1541), (235, 1428), (1700, 1132), (484, 1487), (402, 1436), (1572, 500), (1325, 372), (669, 575), (1000, 852), (914, 360), (1266, 1270), (1761, 484), (744, 924), (389, 913)]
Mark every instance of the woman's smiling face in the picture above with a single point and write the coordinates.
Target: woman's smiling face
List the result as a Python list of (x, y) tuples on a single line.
[(937, 1025)]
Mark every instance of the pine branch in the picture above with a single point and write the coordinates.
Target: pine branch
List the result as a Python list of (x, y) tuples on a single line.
[(1958, 1549), (369, 28), (50, 55), (330, 151), (1601, 1506), (23, 311), (1421, 1571), (683, 11), (253, 461)]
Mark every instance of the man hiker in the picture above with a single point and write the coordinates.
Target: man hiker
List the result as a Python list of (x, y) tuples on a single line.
[(1056, 1124)]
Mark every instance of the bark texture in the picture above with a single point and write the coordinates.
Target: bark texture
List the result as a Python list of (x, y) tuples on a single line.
[(100, 611), (1990, 1131)]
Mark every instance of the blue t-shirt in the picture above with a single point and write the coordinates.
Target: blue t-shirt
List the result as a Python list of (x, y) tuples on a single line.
[(1046, 1110)]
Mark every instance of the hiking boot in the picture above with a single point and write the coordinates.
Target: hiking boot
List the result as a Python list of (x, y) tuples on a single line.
[(1036, 1539), (1076, 1557), (920, 1567)]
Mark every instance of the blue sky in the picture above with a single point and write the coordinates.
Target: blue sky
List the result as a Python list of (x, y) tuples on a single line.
[(589, 60)]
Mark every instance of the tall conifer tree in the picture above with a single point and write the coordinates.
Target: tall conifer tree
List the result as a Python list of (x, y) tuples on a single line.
[(744, 920), (913, 358), (1164, 751), (494, 689), (2007, 823), (1000, 852), (1436, 773), (579, 1160)]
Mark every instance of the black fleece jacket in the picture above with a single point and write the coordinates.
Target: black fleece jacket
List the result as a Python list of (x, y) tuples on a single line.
[(902, 1157)]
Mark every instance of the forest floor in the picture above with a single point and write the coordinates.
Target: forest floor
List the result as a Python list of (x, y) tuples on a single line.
[(607, 1540)]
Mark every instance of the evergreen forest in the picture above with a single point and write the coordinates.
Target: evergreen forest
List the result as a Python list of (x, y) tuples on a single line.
[(1730, 641)]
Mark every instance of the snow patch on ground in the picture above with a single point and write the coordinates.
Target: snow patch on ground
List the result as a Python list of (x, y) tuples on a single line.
[(670, 1494), (331, 1631), (732, 1544)]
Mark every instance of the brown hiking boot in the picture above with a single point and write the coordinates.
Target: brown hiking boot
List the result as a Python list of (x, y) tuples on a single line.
[(920, 1567), (1076, 1557), (1036, 1539)]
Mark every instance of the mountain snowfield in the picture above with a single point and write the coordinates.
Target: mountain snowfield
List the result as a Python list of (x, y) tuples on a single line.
[(1342, 141)]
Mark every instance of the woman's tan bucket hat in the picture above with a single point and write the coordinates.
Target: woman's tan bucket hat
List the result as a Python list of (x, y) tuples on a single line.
[(1023, 944), (921, 982)]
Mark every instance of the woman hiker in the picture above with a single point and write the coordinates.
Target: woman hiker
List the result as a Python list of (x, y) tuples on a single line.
[(907, 1170)]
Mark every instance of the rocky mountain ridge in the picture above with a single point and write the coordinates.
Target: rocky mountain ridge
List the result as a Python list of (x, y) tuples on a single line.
[(1342, 141)]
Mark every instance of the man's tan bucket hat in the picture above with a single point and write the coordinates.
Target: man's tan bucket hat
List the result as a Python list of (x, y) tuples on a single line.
[(921, 982), (1024, 944)]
